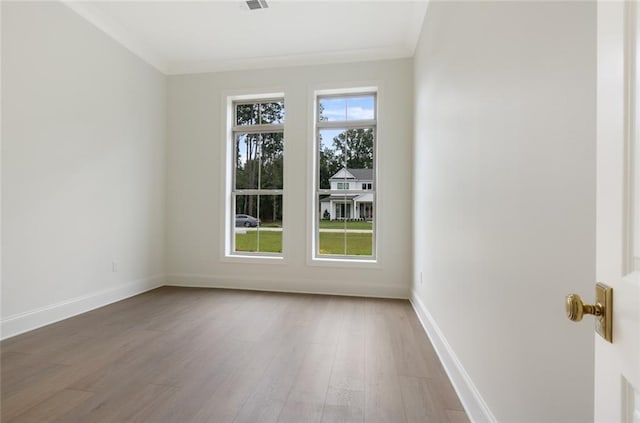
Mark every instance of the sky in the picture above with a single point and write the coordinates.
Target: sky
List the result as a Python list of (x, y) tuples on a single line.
[(352, 108)]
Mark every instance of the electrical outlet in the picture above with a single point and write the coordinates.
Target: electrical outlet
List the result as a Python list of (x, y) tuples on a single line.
[(114, 266)]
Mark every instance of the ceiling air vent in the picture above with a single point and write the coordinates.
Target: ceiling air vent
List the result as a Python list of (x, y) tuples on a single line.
[(257, 4)]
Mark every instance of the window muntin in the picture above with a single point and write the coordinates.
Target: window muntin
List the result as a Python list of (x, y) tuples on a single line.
[(257, 185), (345, 199)]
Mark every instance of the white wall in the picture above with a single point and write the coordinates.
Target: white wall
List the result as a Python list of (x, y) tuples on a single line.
[(195, 197), (83, 145), (504, 191)]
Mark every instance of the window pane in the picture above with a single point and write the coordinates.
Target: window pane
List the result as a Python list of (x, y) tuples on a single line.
[(247, 161), (270, 212), (324, 207), (351, 149), (332, 157), (345, 224), (358, 147), (360, 108), (271, 161), (270, 230), (272, 113), (360, 231), (331, 243), (246, 223), (247, 114), (246, 211), (332, 109), (359, 243), (258, 223), (331, 235)]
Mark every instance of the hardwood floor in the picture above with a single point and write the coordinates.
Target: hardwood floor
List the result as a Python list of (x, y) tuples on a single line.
[(210, 355)]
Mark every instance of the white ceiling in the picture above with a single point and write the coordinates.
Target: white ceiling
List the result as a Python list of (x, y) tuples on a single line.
[(203, 36)]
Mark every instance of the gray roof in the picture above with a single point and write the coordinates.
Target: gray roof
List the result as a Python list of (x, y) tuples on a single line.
[(359, 174)]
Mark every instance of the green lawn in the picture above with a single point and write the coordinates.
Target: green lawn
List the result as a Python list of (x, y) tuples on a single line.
[(330, 243), (270, 242), (339, 224), (357, 244)]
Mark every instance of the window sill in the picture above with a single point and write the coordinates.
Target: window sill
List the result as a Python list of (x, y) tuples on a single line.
[(344, 262), (253, 259)]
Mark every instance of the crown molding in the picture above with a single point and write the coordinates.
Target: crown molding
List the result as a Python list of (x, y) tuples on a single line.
[(416, 24), (305, 59), (118, 33), (138, 47)]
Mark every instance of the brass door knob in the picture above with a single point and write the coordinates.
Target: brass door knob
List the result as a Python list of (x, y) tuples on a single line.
[(576, 308), (602, 309)]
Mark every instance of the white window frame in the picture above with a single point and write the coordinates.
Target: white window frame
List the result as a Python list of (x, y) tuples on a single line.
[(347, 260), (229, 175)]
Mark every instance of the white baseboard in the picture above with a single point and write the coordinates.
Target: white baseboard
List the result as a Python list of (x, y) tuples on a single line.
[(470, 397), (299, 286), (23, 322)]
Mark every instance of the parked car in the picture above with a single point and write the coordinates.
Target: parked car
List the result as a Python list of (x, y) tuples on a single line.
[(246, 220)]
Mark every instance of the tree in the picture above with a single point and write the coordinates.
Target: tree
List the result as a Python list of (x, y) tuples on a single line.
[(321, 115), (352, 149), (329, 164), (271, 173), (259, 159), (356, 146)]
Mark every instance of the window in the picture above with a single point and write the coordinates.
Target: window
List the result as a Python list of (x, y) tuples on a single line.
[(256, 177), (345, 175)]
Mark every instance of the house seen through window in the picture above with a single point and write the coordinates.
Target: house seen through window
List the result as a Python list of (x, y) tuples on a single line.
[(346, 176)]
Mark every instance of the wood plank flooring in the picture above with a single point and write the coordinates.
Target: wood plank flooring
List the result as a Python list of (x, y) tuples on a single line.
[(181, 355)]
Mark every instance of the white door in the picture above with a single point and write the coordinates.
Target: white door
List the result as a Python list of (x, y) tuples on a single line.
[(617, 364)]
